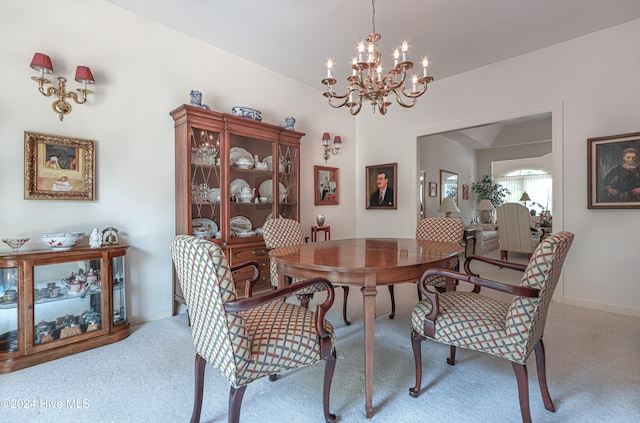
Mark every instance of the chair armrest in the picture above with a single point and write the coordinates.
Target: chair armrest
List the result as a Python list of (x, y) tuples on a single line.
[(521, 291), (249, 283), (495, 262), (258, 300)]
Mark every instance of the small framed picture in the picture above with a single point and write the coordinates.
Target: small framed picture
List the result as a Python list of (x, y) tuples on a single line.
[(381, 184), (465, 192), (58, 168), (433, 189), (613, 172), (326, 185)]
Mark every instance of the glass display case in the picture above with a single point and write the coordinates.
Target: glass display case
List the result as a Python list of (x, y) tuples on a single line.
[(232, 175), (55, 303)]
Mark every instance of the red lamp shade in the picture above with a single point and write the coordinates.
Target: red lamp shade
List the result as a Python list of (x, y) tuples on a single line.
[(337, 140), (83, 74), (42, 62), (326, 136)]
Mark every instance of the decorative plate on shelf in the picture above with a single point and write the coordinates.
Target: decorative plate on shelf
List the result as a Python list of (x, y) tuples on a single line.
[(236, 185), (266, 189), (203, 228), (236, 152), (213, 195), (240, 224)]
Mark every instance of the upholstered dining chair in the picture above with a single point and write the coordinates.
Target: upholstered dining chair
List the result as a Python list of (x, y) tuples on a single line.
[(514, 230), (281, 232), (443, 229), (249, 338), (510, 330)]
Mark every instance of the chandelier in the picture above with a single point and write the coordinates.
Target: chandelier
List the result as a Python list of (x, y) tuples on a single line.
[(367, 83)]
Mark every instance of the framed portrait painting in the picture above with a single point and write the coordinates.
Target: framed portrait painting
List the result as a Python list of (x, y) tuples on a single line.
[(613, 172), (326, 185), (381, 186), (58, 168)]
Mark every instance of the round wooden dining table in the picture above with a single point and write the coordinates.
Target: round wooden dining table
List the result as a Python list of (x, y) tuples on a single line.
[(368, 263)]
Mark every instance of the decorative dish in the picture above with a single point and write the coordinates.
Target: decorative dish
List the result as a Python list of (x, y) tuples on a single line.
[(247, 233), (266, 190), (62, 241), (203, 228), (236, 186), (240, 224), (269, 162), (237, 152), (213, 195), (246, 112)]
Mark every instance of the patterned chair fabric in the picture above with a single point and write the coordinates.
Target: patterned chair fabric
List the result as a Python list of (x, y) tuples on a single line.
[(514, 229), (281, 232), (443, 229), (507, 330), (242, 346)]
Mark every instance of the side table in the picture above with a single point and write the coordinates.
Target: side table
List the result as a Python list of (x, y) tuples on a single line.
[(469, 235), (325, 229)]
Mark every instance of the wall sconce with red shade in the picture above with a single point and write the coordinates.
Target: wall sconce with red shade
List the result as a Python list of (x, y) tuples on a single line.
[(42, 63), (337, 143)]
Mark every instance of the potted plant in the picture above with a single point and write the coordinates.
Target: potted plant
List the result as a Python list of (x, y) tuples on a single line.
[(486, 189)]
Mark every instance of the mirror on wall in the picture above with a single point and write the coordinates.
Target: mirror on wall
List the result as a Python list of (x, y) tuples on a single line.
[(448, 185), (422, 212)]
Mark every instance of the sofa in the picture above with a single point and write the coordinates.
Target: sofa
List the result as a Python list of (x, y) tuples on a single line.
[(486, 237)]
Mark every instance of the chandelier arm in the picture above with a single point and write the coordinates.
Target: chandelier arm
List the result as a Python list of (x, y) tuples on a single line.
[(400, 100)]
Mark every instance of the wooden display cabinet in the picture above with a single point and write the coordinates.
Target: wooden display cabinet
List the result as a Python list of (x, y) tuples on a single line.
[(57, 303), (208, 179)]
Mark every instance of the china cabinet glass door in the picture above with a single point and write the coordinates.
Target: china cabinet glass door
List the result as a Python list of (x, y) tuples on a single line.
[(205, 182), (289, 178), (8, 309), (67, 300), (119, 304)]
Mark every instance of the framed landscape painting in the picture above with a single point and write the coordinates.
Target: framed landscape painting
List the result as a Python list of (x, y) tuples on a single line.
[(613, 172)]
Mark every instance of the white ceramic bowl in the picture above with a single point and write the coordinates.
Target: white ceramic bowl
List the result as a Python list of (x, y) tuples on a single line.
[(62, 241)]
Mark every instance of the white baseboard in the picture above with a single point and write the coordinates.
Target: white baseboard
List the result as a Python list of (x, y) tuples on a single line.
[(600, 306)]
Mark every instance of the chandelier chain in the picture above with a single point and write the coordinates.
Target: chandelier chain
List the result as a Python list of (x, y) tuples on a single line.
[(373, 16)]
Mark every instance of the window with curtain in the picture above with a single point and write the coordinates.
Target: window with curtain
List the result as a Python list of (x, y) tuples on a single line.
[(537, 183)]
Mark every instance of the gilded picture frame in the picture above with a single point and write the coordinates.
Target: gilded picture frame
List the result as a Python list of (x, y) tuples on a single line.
[(326, 185), (613, 172), (388, 174), (58, 168)]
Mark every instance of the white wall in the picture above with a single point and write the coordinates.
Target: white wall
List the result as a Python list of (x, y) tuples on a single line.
[(591, 86), (143, 71)]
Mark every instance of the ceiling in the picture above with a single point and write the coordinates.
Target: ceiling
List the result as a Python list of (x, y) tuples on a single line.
[(296, 37)]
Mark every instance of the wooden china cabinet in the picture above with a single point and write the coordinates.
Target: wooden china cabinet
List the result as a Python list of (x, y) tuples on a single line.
[(233, 174), (57, 303)]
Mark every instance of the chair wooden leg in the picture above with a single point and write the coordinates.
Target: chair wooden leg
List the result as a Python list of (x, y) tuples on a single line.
[(419, 293), (393, 302), (504, 255), (523, 390), (344, 305), (200, 364), (329, 367), (542, 376), (304, 299), (273, 377), (235, 401), (451, 360), (416, 343)]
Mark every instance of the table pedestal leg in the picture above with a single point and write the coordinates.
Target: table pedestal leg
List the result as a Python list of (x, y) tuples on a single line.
[(369, 297)]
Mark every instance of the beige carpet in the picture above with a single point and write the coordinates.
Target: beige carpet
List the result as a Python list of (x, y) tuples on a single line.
[(593, 364)]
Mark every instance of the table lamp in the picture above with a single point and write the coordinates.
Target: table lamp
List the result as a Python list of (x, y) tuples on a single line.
[(525, 198), (485, 208), (448, 206)]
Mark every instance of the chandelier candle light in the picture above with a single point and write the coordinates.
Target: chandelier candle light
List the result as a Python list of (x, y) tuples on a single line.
[(367, 82), (42, 63)]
